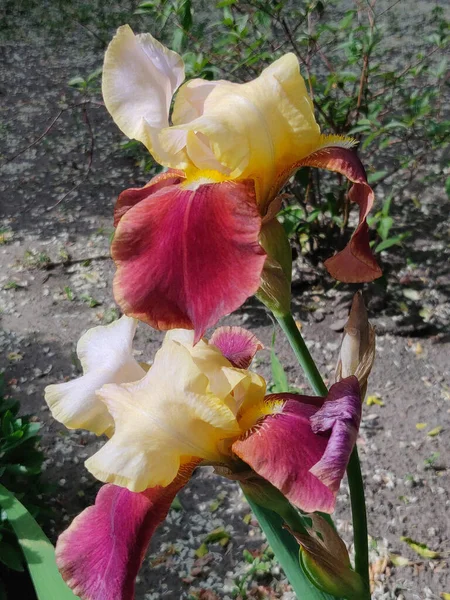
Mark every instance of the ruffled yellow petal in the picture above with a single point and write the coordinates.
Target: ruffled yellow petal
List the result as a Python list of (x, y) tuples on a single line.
[(167, 416), (105, 354), (140, 76)]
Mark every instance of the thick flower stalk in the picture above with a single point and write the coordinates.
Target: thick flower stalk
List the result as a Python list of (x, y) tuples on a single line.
[(197, 404), (202, 237)]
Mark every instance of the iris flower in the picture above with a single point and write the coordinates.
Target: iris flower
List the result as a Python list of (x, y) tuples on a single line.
[(197, 404), (188, 245)]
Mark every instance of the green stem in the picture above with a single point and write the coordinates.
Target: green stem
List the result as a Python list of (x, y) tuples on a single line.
[(358, 502), (354, 475), (301, 351)]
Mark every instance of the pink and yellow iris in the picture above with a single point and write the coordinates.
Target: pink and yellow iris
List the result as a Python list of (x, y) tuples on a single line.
[(188, 245), (197, 404)]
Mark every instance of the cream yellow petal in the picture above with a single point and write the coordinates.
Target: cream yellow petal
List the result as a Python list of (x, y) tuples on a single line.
[(140, 76), (168, 415), (257, 129), (105, 354)]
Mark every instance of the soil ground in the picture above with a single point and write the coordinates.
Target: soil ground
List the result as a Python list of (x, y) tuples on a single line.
[(55, 283)]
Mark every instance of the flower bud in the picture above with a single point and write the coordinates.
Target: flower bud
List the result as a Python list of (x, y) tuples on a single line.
[(324, 559), (358, 345), (275, 287)]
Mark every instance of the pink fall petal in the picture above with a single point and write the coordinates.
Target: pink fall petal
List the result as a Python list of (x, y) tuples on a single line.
[(185, 257), (355, 263), (238, 345), (101, 552), (340, 415), (282, 448), (129, 198)]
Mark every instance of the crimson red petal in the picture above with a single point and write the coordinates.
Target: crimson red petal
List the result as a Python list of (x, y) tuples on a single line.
[(129, 198), (356, 262), (101, 552), (185, 257)]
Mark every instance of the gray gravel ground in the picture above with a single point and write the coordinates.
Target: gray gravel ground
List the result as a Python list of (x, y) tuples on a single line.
[(56, 282)]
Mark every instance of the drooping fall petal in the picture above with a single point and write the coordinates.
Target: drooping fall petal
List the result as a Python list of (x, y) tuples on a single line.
[(129, 198), (161, 421), (355, 263), (339, 416), (186, 257), (282, 448), (302, 444), (101, 552), (106, 356), (238, 345)]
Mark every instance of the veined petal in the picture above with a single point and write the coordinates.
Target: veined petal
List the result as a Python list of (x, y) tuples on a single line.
[(282, 448), (186, 257), (302, 444), (161, 421), (340, 415), (101, 552), (255, 129), (129, 198), (356, 262), (140, 76), (238, 345), (106, 356)]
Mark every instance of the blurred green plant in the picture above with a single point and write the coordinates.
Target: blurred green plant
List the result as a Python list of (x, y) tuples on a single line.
[(22, 494)]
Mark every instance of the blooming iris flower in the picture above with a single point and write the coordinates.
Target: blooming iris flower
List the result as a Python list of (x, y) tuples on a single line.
[(188, 246), (197, 404)]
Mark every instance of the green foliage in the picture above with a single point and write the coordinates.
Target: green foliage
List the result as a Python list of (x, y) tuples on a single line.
[(20, 472), (37, 550)]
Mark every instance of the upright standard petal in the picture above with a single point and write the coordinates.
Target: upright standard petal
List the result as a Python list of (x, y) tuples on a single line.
[(252, 129), (101, 552), (161, 422), (140, 77), (186, 257), (356, 263), (238, 345), (105, 354)]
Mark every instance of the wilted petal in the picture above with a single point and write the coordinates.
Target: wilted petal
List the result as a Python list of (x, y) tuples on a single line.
[(101, 552), (140, 76), (340, 415), (129, 198), (186, 257), (238, 345), (160, 422), (356, 262), (282, 448), (358, 345), (105, 353)]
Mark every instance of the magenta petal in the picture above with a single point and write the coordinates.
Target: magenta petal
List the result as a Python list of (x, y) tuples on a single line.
[(185, 257), (283, 449), (129, 198), (238, 345), (340, 415), (101, 552)]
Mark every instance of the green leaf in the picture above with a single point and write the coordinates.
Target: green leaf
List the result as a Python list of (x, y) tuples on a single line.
[(11, 557), (280, 382), (286, 551), (373, 177), (37, 549), (389, 243), (447, 186)]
